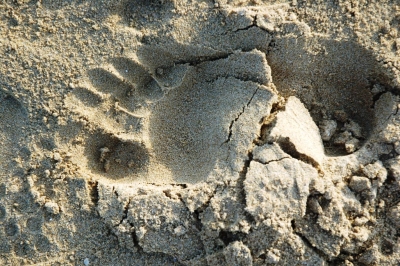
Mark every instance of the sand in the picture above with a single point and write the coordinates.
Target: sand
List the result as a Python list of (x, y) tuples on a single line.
[(177, 132)]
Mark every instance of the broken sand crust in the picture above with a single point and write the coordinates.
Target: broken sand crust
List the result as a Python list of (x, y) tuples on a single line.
[(231, 135), (285, 177), (201, 131)]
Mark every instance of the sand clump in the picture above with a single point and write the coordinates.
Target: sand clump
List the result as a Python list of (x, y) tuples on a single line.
[(199, 133)]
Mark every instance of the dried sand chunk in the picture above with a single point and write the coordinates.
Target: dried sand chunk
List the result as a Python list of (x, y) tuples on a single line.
[(325, 241), (226, 212), (327, 128), (52, 208), (197, 196), (352, 145), (375, 171), (394, 168), (387, 118), (295, 127), (360, 183), (273, 256), (238, 254), (246, 127), (268, 153), (157, 222), (265, 234), (110, 207), (354, 128), (296, 249), (343, 138), (333, 207), (164, 225), (278, 188)]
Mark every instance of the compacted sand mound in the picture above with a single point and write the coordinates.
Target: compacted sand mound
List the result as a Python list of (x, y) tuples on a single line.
[(199, 132)]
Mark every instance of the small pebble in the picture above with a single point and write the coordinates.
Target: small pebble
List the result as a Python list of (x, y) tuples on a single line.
[(354, 128), (47, 173), (273, 256), (359, 221), (57, 156), (352, 145), (86, 262), (52, 207)]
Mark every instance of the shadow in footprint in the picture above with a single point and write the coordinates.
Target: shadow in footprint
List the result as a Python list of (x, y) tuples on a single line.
[(131, 71), (333, 79), (134, 87), (87, 97), (108, 82), (13, 118), (114, 158)]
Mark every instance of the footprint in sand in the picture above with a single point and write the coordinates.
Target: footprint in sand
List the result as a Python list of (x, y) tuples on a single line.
[(174, 123), (185, 122)]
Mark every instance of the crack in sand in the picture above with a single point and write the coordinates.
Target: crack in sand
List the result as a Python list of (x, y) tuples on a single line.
[(125, 213), (212, 58), (271, 161), (94, 192), (238, 116), (247, 28), (288, 147)]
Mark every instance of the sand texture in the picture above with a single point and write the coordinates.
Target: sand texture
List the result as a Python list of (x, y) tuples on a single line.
[(199, 132)]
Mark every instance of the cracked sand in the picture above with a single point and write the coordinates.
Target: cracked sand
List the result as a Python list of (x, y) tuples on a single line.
[(198, 134)]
